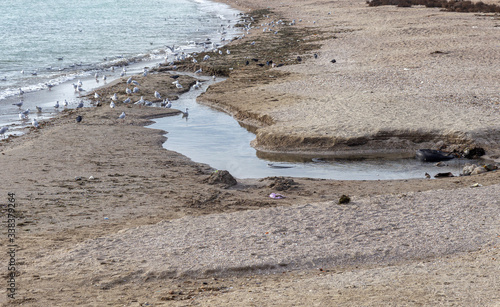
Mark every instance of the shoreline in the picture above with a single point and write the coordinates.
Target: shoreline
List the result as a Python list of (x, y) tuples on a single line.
[(106, 215)]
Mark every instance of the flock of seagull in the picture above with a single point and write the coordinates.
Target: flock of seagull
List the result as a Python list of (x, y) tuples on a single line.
[(169, 51), (165, 102)]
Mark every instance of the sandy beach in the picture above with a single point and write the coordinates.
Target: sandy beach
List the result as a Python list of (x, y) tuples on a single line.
[(105, 216)]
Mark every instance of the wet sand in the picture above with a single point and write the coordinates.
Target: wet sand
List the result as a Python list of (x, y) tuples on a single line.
[(150, 228)]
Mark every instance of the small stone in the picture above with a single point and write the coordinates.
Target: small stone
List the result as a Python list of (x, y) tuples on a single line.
[(443, 175), (91, 178), (223, 177), (77, 178), (474, 153), (344, 199), (468, 168), (491, 167), (478, 170)]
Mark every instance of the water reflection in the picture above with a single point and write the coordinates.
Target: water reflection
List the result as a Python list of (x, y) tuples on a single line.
[(215, 138)]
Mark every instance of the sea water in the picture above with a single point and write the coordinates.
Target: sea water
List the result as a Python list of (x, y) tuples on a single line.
[(56, 41)]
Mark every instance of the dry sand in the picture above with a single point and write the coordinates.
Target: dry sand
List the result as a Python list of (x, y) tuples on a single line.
[(149, 230)]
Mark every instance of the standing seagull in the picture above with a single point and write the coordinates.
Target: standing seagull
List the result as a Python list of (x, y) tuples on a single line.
[(65, 103), (122, 116), (19, 104), (3, 130), (34, 123), (169, 104), (157, 95), (112, 105), (185, 114), (56, 105), (80, 105)]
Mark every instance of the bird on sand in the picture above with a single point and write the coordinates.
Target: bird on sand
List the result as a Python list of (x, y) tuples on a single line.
[(56, 105), (127, 100), (79, 118), (80, 105), (19, 104), (157, 95), (140, 101), (114, 97), (169, 104), (122, 116), (39, 109), (34, 123), (112, 105)]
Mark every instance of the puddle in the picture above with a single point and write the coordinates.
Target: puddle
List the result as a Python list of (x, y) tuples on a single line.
[(215, 138)]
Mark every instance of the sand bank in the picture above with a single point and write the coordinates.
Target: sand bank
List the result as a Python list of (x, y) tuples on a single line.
[(404, 78)]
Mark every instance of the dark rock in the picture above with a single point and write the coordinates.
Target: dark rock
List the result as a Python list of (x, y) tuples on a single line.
[(223, 177), (443, 175), (430, 155), (282, 183), (344, 199), (333, 61), (474, 153)]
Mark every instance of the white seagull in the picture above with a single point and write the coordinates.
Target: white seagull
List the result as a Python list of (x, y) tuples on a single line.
[(126, 100), (140, 101), (122, 116), (129, 80), (34, 123), (112, 105), (169, 104), (56, 105), (3, 130), (114, 97), (185, 114), (128, 91), (39, 109), (65, 103), (157, 95)]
